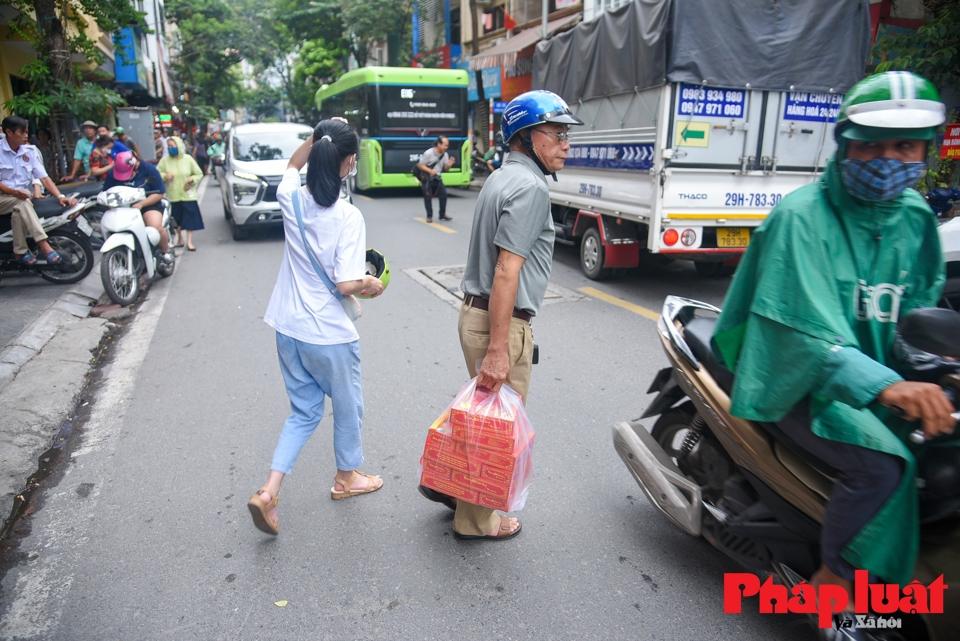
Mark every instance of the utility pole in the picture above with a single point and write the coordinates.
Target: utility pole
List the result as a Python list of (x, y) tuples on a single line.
[(543, 20)]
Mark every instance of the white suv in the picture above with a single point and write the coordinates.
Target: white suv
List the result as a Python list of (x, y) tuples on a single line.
[(256, 157)]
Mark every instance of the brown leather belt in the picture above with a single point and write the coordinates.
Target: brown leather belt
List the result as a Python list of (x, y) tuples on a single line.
[(482, 302)]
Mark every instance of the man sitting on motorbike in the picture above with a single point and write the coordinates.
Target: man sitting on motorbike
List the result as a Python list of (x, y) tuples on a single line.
[(811, 316), (20, 165), (130, 172)]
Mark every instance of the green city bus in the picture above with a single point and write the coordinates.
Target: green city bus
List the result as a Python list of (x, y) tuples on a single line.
[(399, 112)]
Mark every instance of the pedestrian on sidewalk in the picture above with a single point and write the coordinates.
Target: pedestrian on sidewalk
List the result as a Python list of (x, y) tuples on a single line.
[(122, 138), (182, 176), (82, 151), (431, 164), (200, 153), (317, 342), (508, 266)]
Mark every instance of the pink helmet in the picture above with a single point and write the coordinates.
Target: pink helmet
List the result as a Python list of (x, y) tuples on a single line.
[(123, 166)]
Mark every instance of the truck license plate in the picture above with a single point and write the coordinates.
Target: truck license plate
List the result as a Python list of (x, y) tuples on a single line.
[(733, 237)]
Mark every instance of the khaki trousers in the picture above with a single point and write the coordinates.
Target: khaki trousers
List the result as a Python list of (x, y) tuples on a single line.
[(25, 221), (474, 328)]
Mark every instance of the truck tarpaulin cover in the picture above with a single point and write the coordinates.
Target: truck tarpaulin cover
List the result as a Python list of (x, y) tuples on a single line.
[(812, 45)]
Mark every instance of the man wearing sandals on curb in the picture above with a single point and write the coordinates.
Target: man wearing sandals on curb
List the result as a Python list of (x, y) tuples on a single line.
[(508, 266), (20, 165)]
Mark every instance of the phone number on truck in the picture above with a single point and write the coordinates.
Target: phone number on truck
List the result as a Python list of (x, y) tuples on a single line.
[(742, 199)]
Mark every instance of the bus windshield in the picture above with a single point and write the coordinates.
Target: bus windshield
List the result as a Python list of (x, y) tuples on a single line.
[(272, 145), (419, 107)]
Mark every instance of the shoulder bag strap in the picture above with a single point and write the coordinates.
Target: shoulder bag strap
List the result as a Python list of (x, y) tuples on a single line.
[(306, 248)]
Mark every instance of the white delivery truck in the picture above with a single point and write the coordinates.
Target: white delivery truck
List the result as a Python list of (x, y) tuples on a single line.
[(700, 116)]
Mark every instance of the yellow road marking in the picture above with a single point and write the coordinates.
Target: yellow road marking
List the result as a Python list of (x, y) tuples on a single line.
[(437, 226), (619, 302)]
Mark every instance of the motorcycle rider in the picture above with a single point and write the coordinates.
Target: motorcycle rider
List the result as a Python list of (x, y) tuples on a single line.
[(129, 171), (20, 166), (811, 316)]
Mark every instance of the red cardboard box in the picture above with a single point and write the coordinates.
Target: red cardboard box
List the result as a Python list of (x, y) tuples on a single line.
[(477, 459), (440, 448)]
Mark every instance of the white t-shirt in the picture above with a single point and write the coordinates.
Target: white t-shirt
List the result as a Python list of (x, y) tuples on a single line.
[(301, 306)]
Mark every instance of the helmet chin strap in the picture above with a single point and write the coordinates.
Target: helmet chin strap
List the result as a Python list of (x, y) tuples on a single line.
[(527, 142)]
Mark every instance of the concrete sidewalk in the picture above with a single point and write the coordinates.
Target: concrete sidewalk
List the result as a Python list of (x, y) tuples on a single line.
[(42, 371)]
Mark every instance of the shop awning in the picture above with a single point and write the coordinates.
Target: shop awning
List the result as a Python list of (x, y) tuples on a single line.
[(505, 53)]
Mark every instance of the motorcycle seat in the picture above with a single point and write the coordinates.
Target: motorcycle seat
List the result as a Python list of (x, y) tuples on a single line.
[(697, 333), (47, 207)]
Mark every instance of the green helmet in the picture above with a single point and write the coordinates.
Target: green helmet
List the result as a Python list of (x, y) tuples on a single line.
[(378, 267), (893, 104)]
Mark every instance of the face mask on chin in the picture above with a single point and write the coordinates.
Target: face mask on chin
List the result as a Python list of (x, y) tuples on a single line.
[(880, 179)]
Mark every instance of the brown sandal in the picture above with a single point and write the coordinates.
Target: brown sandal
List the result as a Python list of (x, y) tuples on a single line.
[(260, 510), (338, 495), (501, 535)]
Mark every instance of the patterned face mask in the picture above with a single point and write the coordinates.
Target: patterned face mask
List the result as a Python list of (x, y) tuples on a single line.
[(880, 179)]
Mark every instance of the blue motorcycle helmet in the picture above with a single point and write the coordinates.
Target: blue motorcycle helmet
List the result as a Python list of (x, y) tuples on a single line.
[(531, 109)]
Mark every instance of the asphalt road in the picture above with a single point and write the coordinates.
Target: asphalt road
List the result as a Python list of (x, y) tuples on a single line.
[(23, 297), (144, 534)]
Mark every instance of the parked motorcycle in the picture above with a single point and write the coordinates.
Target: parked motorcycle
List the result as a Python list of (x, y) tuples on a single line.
[(753, 494), (68, 232), (942, 200), (130, 248)]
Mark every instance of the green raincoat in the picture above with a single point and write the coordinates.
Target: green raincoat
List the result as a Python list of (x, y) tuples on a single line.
[(812, 313)]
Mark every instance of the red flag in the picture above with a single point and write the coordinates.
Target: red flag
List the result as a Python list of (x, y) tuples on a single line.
[(508, 20)]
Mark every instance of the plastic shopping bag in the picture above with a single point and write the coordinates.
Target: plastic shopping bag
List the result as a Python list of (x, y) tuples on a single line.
[(480, 449)]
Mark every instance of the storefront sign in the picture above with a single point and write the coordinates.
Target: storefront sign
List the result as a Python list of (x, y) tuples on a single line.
[(491, 84)]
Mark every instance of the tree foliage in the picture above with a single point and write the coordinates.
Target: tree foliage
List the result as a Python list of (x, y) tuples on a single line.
[(57, 31), (317, 63), (213, 38), (292, 46), (368, 22), (933, 51), (61, 77)]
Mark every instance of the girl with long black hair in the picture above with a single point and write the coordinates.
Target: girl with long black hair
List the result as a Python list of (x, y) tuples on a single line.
[(317, 342)]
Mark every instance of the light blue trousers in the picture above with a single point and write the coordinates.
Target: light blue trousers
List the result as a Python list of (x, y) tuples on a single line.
[(311, 373)]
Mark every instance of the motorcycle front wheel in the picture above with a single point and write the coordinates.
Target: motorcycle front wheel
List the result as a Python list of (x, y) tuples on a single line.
[(77, 254), (120, 276)]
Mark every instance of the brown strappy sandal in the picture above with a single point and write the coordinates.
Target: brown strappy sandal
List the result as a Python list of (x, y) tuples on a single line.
[(260, 511), (338, 495)]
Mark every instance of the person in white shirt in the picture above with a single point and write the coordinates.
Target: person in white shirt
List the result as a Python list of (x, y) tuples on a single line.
[(317, 342)]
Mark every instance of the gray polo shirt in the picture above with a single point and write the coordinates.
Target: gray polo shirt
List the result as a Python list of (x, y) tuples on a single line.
[(512, 213), (430, 158)]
